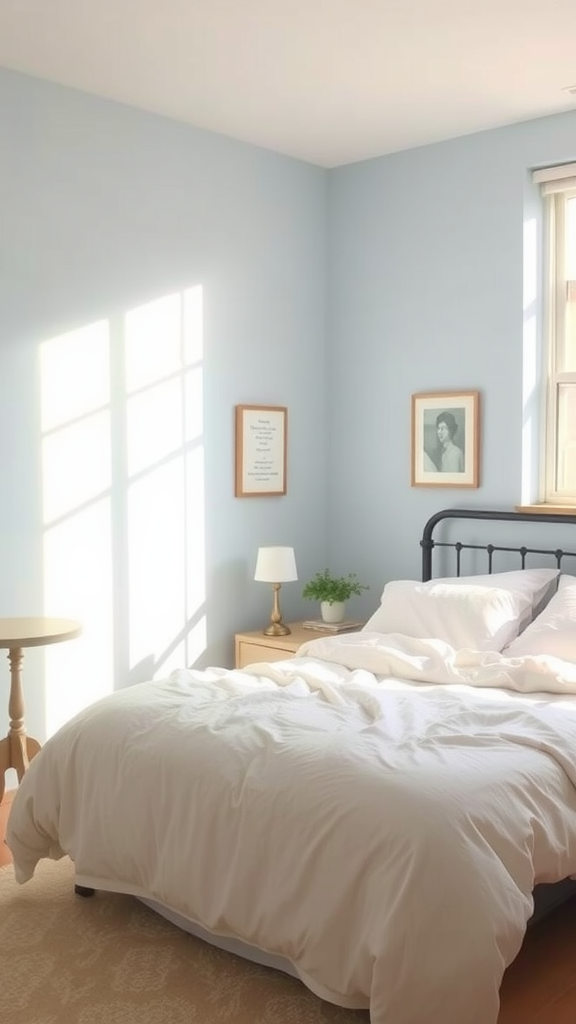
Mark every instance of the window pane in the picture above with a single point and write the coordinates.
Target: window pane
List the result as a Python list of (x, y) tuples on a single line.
[(566, 450), (570, 328), (568, 361), (571, 238), (558, 469)]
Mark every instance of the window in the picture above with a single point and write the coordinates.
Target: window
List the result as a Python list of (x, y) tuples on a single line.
[(558, 186)]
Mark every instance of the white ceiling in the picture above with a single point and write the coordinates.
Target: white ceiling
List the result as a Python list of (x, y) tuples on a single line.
[(327, 81)]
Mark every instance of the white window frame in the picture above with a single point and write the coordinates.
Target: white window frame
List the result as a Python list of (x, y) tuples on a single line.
[(557, 184)]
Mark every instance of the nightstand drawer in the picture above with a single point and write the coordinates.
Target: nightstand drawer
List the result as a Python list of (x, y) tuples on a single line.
[(257, 646), (247, 653)]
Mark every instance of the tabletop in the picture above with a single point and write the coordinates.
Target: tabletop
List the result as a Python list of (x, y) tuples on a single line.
[(36, 631)]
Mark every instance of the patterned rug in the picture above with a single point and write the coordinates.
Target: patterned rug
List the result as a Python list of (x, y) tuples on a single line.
[(111, 960)]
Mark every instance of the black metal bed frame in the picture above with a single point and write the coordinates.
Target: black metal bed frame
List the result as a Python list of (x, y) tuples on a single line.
[(428, 543), (547, 896)]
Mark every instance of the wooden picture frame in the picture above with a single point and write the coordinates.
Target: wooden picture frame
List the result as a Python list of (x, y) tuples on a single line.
[(446, 439), (261, 449)]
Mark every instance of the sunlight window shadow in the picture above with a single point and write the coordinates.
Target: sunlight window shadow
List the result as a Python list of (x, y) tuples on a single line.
[(123, 498)]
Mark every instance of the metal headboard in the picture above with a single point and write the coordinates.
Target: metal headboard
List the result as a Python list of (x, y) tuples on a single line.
[(428, 543)]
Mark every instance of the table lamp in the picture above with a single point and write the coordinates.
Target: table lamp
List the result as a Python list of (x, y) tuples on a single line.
[(276, 566)]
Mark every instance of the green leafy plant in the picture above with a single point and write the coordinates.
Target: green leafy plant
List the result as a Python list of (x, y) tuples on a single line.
[(326, 587)]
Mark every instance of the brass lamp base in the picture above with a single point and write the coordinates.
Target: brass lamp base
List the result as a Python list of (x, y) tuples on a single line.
[(276, 629)]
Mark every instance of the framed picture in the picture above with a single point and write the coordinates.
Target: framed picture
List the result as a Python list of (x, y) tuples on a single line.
[(446, 439), (260, 450)]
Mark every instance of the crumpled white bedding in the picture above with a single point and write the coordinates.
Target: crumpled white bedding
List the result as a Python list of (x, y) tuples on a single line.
[(434, 661), (383, 833)]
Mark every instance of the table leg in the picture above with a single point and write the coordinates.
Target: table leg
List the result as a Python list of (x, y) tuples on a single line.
[(16, 749), (4, 763)]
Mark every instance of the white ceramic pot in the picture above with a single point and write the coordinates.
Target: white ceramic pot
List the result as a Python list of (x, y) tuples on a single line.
[(333, 611)]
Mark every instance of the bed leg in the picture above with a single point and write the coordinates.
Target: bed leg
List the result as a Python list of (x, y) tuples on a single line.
[(83, 890)]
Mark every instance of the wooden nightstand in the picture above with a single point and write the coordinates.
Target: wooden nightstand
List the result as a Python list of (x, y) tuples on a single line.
[(256, 646)]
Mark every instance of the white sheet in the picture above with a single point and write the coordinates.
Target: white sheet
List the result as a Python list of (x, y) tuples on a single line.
[(383, 836)]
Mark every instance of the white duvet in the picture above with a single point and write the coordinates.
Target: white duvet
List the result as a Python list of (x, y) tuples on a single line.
[(370, 811)]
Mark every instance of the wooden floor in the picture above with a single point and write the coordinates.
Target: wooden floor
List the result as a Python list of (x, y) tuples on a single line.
[(538, 988), (5, 857)]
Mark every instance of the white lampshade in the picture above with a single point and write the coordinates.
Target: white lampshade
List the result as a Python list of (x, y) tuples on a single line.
[(275, 565)]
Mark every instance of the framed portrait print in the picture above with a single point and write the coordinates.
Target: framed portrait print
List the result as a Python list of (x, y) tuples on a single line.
[(446, 439), (260, 450)]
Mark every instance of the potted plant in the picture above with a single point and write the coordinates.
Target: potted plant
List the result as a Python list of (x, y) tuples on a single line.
[(332, 592)]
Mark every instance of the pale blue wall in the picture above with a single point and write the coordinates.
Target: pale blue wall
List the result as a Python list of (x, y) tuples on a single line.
[(425, 293), (102, 208)]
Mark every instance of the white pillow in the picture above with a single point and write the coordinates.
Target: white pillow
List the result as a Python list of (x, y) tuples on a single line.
[(553, 632), (483, 613), (537, 584)]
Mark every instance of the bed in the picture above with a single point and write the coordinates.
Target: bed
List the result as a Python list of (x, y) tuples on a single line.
[(372, 815)]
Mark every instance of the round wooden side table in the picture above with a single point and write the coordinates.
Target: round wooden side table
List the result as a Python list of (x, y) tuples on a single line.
[(17, 749)]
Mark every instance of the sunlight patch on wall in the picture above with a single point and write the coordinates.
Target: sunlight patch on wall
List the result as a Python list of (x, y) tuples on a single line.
[(78, 575), (195, 539), (157, 568), (153, 342), (154, 421), (75, 418), (75, 371), (76, 465), (166, 556), (123, 498)]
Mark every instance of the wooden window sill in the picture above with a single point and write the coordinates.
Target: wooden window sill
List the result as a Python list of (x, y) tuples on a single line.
[(543, 509)]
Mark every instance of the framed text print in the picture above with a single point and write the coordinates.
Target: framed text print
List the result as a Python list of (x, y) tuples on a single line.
[(260, 450), (446, 439)]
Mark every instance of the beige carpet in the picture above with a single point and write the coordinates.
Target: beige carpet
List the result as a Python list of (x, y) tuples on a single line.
[(111, 960)]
